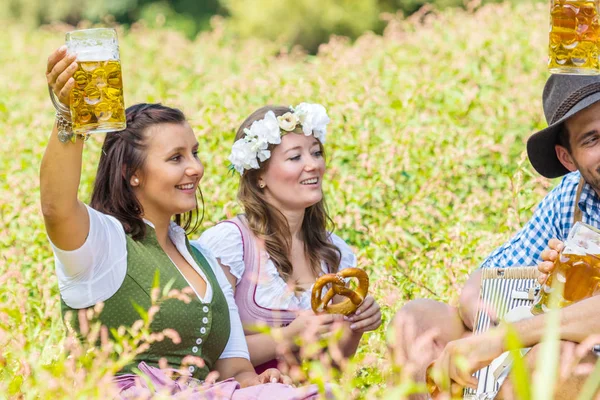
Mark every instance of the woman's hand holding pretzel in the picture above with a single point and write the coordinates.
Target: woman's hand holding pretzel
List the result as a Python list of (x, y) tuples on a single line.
[(338, 287), (360, 310), (310, 323), (367, 317)]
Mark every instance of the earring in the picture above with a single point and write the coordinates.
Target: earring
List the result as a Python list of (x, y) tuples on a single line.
[(136, 181), (261, 185)]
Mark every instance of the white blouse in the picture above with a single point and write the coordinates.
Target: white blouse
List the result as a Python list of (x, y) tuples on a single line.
[(95, 271), (225, 242)]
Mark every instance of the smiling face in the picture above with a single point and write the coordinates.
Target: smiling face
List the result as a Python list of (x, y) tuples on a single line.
[(584, 140), (293, 178), (166, 184)]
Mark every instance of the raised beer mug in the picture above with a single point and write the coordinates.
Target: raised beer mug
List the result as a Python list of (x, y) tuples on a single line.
[(97, 103), (576, 275), (574, 37)]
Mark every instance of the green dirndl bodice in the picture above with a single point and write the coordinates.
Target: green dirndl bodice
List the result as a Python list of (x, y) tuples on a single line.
[(204, 328)]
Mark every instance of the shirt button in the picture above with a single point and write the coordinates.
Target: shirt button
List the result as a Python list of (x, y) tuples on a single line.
[(205, 309), (191, 368), (199, 341), (195, 349), (205, 320), (203, 330)]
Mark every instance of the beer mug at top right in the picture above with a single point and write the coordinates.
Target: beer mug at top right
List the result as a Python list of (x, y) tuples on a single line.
[(97, 103), (574, 37), (576, 273)]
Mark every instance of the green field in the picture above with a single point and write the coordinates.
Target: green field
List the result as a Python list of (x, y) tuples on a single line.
[(427, 171)]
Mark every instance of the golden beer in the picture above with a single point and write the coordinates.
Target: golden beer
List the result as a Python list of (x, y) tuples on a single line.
[(574, 37), (97, 103), (577, 271), (97, 97)]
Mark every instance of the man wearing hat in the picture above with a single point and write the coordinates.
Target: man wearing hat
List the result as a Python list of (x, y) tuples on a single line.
[(569, 146)]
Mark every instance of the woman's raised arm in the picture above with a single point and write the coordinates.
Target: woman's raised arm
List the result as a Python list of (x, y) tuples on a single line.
[(66, 218)]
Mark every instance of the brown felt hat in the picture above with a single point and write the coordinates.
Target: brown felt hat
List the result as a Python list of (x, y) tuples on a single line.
[(564, 96)]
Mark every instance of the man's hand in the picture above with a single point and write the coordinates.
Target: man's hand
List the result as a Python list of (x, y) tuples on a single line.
[(549, 257), (469, 302), (462, 357)]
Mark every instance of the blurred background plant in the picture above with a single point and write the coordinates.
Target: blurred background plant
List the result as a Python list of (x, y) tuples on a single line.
[(307, 23)]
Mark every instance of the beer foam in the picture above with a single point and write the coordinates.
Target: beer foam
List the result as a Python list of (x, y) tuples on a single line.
[(99, 44), (582, 248), (94, 49), (95, 53), (583, 239), (573, 248)]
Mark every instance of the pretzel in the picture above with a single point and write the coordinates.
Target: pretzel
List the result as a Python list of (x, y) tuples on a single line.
[(338, 286)]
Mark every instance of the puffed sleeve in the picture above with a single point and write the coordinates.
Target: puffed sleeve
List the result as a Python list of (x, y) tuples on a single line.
[(552, 219), (95, 271), (348, 259), (224, 241), (236, 345)]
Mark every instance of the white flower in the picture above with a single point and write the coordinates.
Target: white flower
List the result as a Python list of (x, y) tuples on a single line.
[(254, 146), (301, 110), (249, 133), (264, 155), (314, 119), (259, 147), (288, 121), (243, 156), (267, 129)]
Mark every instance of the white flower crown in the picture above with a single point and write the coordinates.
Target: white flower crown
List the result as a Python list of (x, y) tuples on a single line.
[(253, 147)]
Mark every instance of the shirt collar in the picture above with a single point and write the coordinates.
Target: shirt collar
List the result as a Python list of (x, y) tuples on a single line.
[(176, 233)]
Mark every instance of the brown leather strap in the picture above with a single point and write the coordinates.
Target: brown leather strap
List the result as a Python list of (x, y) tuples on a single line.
[(576, 209)]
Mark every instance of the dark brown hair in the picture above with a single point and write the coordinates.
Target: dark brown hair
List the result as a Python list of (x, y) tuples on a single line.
[(270, 224), (123, 154), (563, 137)]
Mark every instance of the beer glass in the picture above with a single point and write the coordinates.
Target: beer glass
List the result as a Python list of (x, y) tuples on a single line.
[(97, 103), (574, 37), (576, 274)]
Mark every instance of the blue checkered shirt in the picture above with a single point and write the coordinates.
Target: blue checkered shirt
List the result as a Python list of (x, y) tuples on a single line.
[(553, 218)]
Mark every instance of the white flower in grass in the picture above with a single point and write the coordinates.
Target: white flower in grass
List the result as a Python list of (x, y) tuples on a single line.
[(314, 120)]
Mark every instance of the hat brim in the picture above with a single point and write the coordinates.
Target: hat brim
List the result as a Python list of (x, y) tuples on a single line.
[(540, 145)]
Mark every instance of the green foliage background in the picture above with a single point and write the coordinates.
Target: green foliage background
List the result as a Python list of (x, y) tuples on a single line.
[(307, 23), (426, 174)]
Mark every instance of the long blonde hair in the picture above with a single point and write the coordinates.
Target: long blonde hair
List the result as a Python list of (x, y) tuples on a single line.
[(269, 224)]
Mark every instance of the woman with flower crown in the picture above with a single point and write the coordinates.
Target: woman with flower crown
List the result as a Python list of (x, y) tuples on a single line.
[(273, 254), (108, 254)]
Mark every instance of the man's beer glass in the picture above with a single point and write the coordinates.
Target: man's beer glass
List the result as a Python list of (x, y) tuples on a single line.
[(574, 37), (97, 103), (576, 275)]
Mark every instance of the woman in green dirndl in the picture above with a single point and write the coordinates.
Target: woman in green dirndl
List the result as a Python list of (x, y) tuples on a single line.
[(143, 204)]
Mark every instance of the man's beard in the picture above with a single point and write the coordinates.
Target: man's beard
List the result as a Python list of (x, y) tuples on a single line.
[(591, 178)]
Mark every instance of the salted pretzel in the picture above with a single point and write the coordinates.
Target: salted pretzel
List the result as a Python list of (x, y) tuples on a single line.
[(338, 286)]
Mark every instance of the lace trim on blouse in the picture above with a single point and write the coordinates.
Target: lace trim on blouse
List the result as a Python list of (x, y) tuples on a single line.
[(225, 242)]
